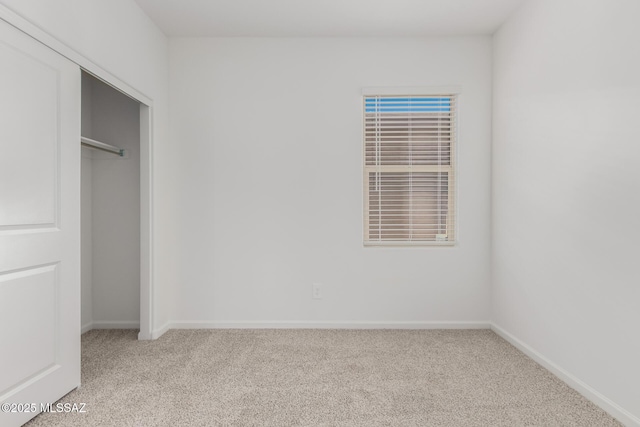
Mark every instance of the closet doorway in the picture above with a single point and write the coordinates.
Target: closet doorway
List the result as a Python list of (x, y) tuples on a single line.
[(115, 217)]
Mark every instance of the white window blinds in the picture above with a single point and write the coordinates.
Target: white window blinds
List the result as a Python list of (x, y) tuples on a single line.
[(409, 169)]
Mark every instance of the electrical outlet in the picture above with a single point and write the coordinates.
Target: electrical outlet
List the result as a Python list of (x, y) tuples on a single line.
[(316, 291)]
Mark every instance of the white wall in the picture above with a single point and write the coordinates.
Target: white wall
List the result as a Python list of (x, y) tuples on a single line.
[(269, 148), (566, 200), (119, 37)]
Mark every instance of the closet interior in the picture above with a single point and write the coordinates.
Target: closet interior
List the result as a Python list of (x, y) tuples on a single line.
[(110, 205)]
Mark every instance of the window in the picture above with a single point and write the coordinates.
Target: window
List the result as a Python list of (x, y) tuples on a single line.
[(409, 169)]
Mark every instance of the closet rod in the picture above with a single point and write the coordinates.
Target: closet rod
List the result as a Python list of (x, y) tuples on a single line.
[(101, 146)]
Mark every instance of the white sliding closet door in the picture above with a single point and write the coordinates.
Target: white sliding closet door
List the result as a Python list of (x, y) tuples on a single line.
[(39, 226)]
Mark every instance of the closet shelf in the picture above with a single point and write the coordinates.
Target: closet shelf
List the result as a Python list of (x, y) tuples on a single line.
[(91, 143)]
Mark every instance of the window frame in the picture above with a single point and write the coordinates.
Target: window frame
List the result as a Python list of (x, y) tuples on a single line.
[(452, 223)]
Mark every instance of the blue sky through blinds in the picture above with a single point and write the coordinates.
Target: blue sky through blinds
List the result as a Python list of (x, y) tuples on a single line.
[(407, 104)]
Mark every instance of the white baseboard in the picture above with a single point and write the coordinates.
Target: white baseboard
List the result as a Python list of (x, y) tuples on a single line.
[(145, 337), (622, 415), (125, 325), (109, 325), (157, 333), (86, 327), (115, 324), (277, 324)]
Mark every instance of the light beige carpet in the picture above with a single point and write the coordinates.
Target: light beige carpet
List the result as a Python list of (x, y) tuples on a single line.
[(317, 378)]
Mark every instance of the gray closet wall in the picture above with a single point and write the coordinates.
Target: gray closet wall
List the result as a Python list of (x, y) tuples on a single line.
[(110, 209)]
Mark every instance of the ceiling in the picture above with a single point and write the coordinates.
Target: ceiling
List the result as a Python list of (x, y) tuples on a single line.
[(327, 18)]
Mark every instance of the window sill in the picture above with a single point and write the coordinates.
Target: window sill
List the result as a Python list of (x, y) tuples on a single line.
[(407, 244)]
